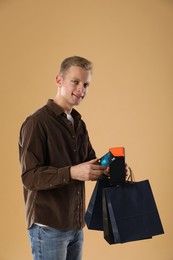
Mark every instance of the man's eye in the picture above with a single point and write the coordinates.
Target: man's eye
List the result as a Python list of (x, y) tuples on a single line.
[(75, 82), (86, 85)]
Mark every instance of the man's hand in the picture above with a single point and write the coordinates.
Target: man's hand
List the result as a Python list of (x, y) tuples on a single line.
[(87, 171)]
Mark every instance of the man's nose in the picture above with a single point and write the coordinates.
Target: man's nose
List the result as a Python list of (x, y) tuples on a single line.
[(80, 87)]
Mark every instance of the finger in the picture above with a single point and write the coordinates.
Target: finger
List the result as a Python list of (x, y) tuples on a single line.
[(100, 167), (95, 177), (93, 161)]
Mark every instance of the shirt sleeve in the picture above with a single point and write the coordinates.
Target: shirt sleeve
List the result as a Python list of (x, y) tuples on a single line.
[(36, 174)]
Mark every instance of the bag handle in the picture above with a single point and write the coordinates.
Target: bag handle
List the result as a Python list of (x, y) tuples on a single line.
[(130, 178)]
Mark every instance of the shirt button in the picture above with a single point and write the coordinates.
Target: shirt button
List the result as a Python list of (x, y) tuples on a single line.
[(74, 150), (78, 192), (64, 180), (73, 136)]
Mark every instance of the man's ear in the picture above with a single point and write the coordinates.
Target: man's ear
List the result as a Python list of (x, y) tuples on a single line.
[(58, 80)]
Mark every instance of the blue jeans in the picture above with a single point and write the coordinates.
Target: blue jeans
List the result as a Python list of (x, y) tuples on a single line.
[(52, 244)]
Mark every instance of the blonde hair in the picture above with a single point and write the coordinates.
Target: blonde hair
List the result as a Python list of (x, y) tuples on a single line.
[(75, 61)]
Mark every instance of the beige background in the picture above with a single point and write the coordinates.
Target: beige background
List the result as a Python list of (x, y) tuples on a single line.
[(129, 103)]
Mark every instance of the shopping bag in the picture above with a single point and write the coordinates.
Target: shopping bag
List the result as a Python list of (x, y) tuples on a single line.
[(130, 213), (94, 212)]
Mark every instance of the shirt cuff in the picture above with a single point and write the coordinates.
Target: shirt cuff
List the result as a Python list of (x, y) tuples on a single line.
[(64, 176)]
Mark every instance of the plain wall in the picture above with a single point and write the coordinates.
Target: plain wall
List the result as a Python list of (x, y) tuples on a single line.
[(129, 103)]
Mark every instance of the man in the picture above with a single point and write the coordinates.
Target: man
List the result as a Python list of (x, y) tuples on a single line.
[(56, 158)]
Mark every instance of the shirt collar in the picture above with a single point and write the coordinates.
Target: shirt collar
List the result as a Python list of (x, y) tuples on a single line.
[(59, 110)]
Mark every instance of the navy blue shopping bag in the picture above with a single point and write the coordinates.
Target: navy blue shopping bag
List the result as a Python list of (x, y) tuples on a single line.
[(116, 160), (94, 213), (130, 213)]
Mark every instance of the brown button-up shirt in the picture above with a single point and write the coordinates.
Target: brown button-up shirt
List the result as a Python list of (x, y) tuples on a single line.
[(49, 145)]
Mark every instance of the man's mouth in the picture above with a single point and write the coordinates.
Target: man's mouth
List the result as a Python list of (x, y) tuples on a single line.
[(78, 96)]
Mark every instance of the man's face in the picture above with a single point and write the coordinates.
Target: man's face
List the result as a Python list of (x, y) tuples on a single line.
[(73, 86)]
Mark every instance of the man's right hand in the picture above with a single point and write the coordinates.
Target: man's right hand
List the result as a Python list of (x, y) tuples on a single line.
[(87, 171)]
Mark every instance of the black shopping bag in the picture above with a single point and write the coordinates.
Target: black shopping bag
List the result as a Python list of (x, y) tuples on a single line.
[(130, 213), (94, 212)]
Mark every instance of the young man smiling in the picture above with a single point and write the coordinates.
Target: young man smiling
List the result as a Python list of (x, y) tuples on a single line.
[(56, 159)]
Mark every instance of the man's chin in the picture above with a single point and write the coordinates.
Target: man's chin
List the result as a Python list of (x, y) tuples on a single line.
[(77, 103)]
